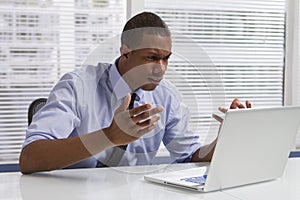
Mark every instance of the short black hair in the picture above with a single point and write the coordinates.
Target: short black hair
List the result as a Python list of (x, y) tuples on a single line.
[(140, 24)]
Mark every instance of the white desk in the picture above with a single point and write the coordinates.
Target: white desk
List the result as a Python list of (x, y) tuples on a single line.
[(128, 183), (285, 188)]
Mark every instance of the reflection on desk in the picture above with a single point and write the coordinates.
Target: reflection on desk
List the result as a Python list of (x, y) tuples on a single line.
[(285, 188), (128, 183), (107, 183)]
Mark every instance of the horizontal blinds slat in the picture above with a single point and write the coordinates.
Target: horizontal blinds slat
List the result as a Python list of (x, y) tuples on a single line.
[(223, 5), (192, 75), (5, 151), (12, 132), (183, 40), (67, 9), (10, 143), (223, 24), (11, 137)]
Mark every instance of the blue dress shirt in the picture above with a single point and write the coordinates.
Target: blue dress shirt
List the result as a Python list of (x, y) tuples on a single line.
[(85, 100)]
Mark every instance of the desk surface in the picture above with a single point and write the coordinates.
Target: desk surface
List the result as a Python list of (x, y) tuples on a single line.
[(128, 183)]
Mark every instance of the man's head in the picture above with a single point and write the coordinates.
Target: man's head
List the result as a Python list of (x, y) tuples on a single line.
[(145, 50), (141, 24)]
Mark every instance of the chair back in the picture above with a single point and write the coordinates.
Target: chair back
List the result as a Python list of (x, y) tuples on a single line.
[(34, 107)]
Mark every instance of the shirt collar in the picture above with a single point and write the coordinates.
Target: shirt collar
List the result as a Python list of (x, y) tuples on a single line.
[(119, 86), (139, 94)]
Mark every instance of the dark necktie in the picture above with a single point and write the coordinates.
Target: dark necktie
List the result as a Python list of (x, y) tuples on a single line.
[(118, 151), (133, 97)]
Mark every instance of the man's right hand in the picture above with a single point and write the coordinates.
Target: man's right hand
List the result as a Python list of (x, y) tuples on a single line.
[(129, 125)]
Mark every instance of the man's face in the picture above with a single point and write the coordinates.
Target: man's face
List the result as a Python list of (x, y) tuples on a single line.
[(147, 64)]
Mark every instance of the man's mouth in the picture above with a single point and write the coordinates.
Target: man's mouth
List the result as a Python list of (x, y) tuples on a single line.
[(155, 80)]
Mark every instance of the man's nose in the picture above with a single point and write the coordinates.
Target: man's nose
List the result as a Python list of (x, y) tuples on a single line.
[(160, 67)]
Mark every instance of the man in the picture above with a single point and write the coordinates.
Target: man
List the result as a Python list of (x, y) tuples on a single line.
[(86, 119)]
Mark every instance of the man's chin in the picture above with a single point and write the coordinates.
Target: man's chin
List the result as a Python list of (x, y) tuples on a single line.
[(149, 86)]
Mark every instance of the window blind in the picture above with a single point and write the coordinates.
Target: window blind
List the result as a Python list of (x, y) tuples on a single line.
[(40, 40), (224, 49), (294, 55)]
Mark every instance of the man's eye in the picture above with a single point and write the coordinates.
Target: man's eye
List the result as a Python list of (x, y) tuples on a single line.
[(166, 58), (152, 58)]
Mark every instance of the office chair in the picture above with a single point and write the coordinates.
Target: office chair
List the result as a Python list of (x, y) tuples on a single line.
[(34, 107)]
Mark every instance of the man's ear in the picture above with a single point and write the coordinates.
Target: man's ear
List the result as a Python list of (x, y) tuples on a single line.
[(124, 50)]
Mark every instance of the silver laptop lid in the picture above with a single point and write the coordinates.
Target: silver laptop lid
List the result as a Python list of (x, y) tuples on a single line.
[(253, 146)]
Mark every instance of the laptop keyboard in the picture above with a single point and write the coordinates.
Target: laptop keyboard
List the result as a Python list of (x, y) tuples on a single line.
[(198, 179)]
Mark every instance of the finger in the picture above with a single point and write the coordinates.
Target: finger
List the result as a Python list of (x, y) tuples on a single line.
[(218, 118), (248, 104), (125, 104), (236, 104), (139, 109), (142, 132), (147, 114), (223, 110), (241, 106), (149, 122)]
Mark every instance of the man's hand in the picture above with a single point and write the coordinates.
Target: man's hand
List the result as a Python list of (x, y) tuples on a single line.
[(234, 105), (237, 104), (205, 153), (130, 125)]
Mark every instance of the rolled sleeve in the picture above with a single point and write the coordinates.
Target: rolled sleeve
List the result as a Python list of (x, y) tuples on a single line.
[(58, 117)]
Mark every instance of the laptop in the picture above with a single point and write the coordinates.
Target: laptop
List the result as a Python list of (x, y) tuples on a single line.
[(253, 146)]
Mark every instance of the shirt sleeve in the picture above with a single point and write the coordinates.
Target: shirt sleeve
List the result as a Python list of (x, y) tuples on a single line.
[(180, 141), (59, 116)]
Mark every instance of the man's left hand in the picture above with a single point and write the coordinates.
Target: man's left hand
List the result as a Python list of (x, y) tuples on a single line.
[(235, 104)]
